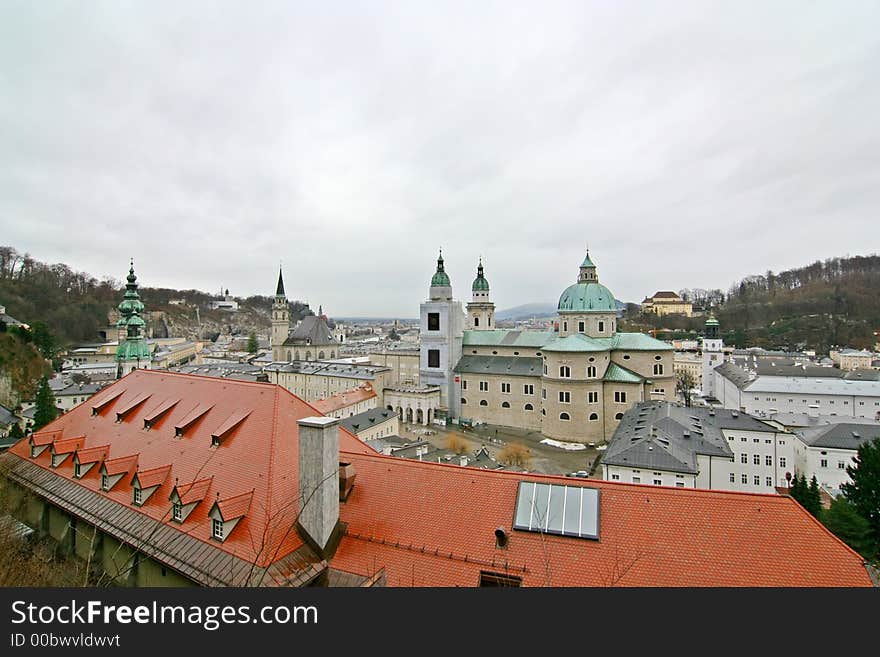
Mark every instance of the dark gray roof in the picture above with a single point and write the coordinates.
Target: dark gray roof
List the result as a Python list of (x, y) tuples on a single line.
[(863, 375), (511, 365), (667, 437), (788, 368), (7, 417), (313, 331), (840, 436), (366, 419), (738, 376), (76, 389)]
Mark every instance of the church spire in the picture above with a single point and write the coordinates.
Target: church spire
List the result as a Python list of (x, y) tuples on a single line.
[(440, 278), (587, 270), (279, 291), (133, 352)]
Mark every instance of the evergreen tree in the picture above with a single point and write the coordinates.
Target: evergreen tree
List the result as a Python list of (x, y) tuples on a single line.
[(44, 340), (864, 490), (45, 407), (814, 499), (15, 432), (797, 488), (253, 344), (844, 521)]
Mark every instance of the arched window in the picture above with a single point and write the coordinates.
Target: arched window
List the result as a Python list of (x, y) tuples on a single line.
[(658, 368), (591, 372), (564, 416), (543, 412), (483, 402), (594, 417), (320, 355), (308, 355), (528, 407), (463, 400), (565, 372), (288, 354), (476, 321), (332, 354), (505, 404), (601, 326), (618, 416)]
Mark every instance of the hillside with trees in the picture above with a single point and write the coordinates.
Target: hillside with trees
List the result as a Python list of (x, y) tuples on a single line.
[(835, 302), (73, 307)]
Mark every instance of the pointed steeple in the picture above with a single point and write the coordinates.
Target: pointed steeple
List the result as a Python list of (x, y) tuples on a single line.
[(133, 350), (279, 291), (440, 278)]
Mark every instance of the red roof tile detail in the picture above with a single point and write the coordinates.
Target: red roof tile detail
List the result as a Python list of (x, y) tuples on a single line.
[(152, 477), (194, 492), (344, 399), (262, 457), (44, 437), (132, 405), (120, 465), (92, 454), (191, 417), (229, 425), (104, 401), (68, 445), (234, 507), (429, 524), (154, 415)]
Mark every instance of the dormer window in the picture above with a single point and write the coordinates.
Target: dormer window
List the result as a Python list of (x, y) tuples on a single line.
[(138, 496), (217, 529), (77, 471), (105, 482), (177, 512)]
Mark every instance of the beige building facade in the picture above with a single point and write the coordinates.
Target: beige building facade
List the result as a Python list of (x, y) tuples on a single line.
[(667, 303)]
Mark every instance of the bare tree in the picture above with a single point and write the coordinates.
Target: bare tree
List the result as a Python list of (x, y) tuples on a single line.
[(684, 383)]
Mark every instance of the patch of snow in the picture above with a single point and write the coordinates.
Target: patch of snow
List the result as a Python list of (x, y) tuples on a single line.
[(567, 446)]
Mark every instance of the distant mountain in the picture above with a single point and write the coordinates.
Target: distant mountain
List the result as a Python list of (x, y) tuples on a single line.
[(529, 310)]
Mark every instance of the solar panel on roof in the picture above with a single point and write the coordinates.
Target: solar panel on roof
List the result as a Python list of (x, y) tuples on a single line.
[(556, 509)]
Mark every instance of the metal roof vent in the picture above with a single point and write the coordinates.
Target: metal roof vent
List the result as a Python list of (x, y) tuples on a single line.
[(501, 538), (686, 434)]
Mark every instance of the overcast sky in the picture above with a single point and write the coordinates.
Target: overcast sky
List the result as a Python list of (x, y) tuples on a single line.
[(688, 144)]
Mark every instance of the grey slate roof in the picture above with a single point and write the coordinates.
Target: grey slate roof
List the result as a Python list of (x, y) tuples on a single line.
[(508, 365), (321, 368), (738, 376), (7, 417), (840, 436), (311, 331), (663, 436), (366, 419)]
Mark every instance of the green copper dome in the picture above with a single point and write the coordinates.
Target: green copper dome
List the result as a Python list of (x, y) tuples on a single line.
[(712, 321), (440, 278), (133, 350), (480, 282), (587, 297)]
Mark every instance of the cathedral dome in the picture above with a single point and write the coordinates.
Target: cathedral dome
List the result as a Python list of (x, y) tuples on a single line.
[(587, 297)]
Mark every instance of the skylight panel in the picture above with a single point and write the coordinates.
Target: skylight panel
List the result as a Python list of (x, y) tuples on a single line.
[(557, 509)]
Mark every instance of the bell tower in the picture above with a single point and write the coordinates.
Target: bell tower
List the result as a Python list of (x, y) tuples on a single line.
[(280, 320)]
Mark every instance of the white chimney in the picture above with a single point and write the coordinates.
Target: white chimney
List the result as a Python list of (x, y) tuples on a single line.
[(319, 478)]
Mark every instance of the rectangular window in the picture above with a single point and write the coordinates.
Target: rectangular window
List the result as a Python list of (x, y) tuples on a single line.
[(564, 397), (497, 579), (176, 512), (580, 327), (732, 478), (781, 461), (841, 465), (105, 482), (484, 386), (619, 397), (565, 327), (679, 484), (76, 470), (756, 459), (637, 480), (658, 482), (433, 321), (744, 458), (593, 397), (217, 529), (601, 326), (769, 481), (505, 388), (757, 480), (138, 496), (543, 393), (433, 358), (768, 460), (463, 384), (823, 463), (744, 479), (528, 389)]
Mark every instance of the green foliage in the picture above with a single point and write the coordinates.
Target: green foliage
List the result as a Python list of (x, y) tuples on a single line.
[(807, 494), (45, 405), (863, 491), (845, 522), (253, 344), (21, 364), (813, 498)]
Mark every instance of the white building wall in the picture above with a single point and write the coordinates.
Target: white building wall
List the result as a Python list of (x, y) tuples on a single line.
[(813, 404), (647, 476), (827, 464)]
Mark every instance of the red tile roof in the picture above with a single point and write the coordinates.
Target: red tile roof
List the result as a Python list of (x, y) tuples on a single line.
[(152, 477), (344, 399), (429, 524), (67, 445), (44, 437), (106, 400), (234, 507), (92, 454), (155, 414), (260, 455), (124, 410), (194, 492), (119, 465), (230, 424)]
